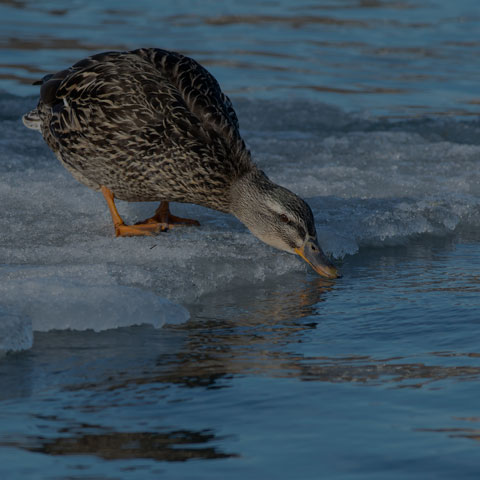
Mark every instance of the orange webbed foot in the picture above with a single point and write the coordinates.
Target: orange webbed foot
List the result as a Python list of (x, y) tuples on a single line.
[(165, 220), (161, 221)]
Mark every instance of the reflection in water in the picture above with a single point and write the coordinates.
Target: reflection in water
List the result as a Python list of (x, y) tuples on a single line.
[(376, 370), (47, 42), (249, 341), (172, 446), (293, 21), (259, 338), (121, 385), (351, 91), (458, 432), (215, 364), (471, 433)]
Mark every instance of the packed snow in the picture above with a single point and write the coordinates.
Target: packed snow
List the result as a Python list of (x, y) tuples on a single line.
[(370, 182)]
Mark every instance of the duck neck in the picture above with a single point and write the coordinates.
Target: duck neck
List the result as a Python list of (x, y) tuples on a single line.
[(248, 193)]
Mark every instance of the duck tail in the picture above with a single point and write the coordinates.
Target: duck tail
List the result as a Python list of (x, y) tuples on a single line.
[(32, 120)]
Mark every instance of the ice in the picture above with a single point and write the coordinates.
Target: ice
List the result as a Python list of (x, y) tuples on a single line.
[(70, 303), (369, 181), (15, 332)]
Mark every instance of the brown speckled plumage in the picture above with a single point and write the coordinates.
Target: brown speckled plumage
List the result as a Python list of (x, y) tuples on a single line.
[(153, 125), (148, 124)]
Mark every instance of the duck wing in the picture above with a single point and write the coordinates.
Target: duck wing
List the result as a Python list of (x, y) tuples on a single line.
[(148, 114), (197, 87), (200, 108), (125, 93)]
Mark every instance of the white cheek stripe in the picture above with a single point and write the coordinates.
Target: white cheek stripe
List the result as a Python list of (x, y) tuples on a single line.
[(277, 208)]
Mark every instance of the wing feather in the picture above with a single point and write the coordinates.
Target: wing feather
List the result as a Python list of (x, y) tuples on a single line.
[(148, 109)]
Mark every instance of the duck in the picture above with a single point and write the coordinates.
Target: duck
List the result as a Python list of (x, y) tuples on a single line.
[(154, 125)]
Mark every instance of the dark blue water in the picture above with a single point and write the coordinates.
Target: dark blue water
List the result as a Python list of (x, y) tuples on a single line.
[(367, 109), (387, 57), (375, 376)]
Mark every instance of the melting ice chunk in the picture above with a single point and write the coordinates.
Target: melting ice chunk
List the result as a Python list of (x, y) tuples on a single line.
[(65, 304)]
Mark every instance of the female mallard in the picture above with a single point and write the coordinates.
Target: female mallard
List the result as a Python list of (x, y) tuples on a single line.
[(153, 125)]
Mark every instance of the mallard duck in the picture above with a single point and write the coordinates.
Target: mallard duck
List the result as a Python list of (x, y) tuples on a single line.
[(154, 125)]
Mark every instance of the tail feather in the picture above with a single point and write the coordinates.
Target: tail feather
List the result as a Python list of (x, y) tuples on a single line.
[(46, 78), (32, 120)]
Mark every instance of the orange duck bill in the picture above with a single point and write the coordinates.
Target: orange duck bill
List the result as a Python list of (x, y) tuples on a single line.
[(314, 256)]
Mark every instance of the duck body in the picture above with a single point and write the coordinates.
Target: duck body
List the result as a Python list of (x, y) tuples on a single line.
[(149, 124), (154, 125)]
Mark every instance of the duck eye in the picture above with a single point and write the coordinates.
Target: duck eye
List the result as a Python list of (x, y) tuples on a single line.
[(284, 218)]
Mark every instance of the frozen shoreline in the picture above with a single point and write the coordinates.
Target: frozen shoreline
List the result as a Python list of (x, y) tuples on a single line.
[(369, 182)]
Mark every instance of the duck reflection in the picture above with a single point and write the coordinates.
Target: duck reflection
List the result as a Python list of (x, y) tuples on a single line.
[(259, 336), (171, 446), (470, 430), (250, 337)]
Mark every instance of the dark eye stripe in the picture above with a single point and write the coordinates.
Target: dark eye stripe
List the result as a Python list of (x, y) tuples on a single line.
[(285, 219)]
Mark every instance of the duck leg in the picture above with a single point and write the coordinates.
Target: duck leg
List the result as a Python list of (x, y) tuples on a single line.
[(122, 230), (163, 217)]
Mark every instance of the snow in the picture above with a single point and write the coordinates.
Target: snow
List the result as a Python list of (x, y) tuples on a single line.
[(370, 182)]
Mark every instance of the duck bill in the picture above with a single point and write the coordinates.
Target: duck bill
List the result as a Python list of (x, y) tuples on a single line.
[(314, 256)]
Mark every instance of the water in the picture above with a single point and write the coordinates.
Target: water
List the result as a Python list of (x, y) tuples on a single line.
[(202, 353), (390, 57)]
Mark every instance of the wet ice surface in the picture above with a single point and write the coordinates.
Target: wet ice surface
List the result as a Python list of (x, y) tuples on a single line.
[(369, 182), (259, 365), (53, 301)]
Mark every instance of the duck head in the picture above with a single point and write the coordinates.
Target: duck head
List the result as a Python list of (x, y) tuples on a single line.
[(279, 218)]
